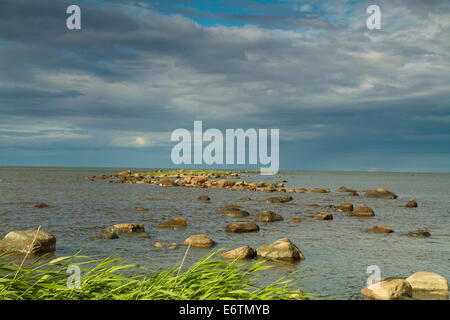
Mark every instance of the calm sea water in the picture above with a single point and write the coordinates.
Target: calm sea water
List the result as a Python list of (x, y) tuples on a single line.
[(337, 252)]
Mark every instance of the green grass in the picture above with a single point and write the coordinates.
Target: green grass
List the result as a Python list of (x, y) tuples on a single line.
[(111, 279), (188, 172)]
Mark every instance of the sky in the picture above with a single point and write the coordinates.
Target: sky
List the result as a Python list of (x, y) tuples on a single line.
[(344, 97)]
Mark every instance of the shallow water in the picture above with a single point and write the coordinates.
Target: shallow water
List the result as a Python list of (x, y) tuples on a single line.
[(337, 252)]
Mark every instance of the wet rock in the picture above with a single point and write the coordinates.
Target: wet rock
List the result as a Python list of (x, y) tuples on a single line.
[(224, 183), (244, 252), (173, 246), (268, 216), (158, 244), (411, 203), (236, 213), (282, 249), (314, 205), (246, 199), (381, 229), (173, 223), (362, 211), (142, 209), (286, 198), (21, 241), (273, 200), (353, 194), (428, 281), (107, 235), (234, 206), (319, 190), (300, 190), (126, 228), (345, 189), (324, 216), (242, 227), (40, 205), (295, 220), (380, 193), (388, 289), (199, 241), (419, 234), (345, 207), (282, 199), (204, 198)]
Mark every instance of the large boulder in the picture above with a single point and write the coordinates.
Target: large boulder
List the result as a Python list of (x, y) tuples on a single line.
[(244, 252), (411, 203), (28, 241), (362, 211), (388, 289), (268, 216), (380, 193), (282, 249), (242, 227), (428, 281), (126, 228), (173, 223), (199, 241), (324, 216)]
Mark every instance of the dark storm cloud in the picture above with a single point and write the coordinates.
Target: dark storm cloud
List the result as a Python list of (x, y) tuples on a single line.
[(141, 69)]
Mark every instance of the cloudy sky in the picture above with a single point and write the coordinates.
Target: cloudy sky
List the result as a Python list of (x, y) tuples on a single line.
[(344, 97)]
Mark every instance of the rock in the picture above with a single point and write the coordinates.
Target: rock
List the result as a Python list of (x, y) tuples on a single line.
[(286, 198), (314, 205), (362, 211), (20, 242), (273, 200), (224, 183), (308, 220), (125, 173), (242, 227), (167, 183), (345, 207), (381, 229), (173, 223), (199, 241), (300, 190), (173, 246), (234, 206), (411, 204), (295, 220), (142, 209), (268, 216), (318, 190), (388, 289), (158, 244), (324, 216), (246, 199), (380, 193), (236, 213), (282, 249), (107, 235), (126, 228), (244, 252), (204, 198), (40, 205), (199, 180), (353, 194), (345, 189), (427, 281), (419, 234)]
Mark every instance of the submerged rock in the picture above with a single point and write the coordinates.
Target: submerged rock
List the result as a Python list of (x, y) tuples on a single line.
[(21, 241), (142, 209), (324, 216), (40, 205), (244, 252), (242, 227), (419, 234), (236, 213), (362, 211), (282, 249), (380, 193), (381, 229), (411, 203), (268, 216), (126, 228), (173, 223), (199, 241), (389, 289), (282, 199), (203, 198)]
